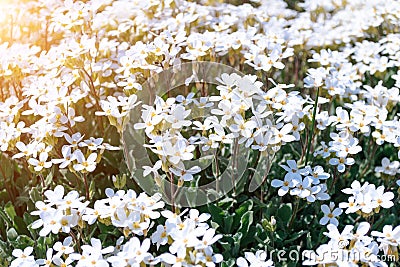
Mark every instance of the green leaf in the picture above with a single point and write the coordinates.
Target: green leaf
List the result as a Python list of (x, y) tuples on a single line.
[(228, 223), (227, 243), (228, 263), (237, 240), (12, 234), (309, 240), (34, 195), (245, 222), (9, 209), (280, 235), (284, 213), (245, 206), (294, 237), (7, 166), (249, 238), (217, 214), (5, 250), (239, 212), (92, 189), (48, 179), (23, 241), (5, 218), (20, 226), (40, 249)]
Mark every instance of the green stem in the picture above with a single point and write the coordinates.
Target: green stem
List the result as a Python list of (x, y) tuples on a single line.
[(311, 135), (296, 209)]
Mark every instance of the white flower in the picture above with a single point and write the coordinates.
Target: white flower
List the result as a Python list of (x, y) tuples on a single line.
[(315, 78), (350, 205), (160, 236), (25, 150), (302, 189), (132, 253), (383, 199), (92, 143), (341, 163), (209, 238), (49, 259), (282, 135), (293, 171), (335, 235), (207, 257), (199, 218), (259, 259), (330, 214), (85, 165), (366, 202), (284, 185), (54, 222), (68, 157), (317, 174), (23, 258), (64, 247), (186, 175), (74, 139), (388, 236), (356, 188), (173, 260), (220, 136), (205, 126), (203, 102), (361, 234), (178, 116), (64, 263), (154, 169), (245, 128), (389, 168), (366, 198), (95, 248), (324, 151), (40, 163), (55, 197)]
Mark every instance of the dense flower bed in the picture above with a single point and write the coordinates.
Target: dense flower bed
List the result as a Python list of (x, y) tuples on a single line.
[(306, 129)]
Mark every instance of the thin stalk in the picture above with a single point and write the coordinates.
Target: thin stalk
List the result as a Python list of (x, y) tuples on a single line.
[(310, 136), (43, 182), (335, 178), (86, 186), (78, 244), (216, 169), (235, 163)]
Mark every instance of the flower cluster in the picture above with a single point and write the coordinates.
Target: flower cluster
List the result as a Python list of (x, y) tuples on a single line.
[(59, 213), (366, 199), (126, 210), (388, 167), (163, 125), (188, 236), (353, 246), (190, 239), (303, 183), (165, 122)]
